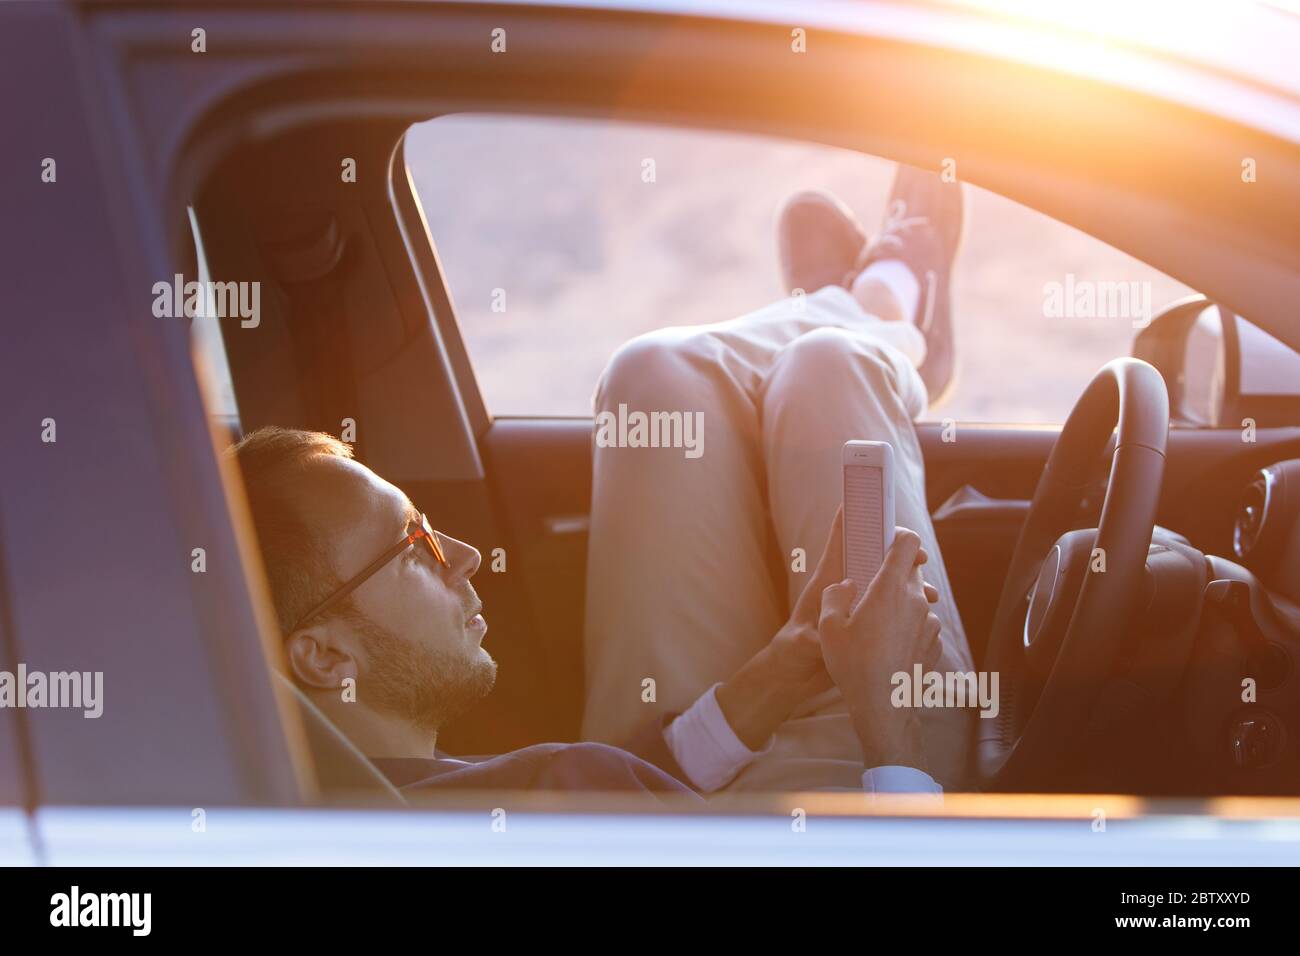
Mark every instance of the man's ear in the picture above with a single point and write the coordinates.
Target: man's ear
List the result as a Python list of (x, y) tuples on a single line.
[(319, 658)]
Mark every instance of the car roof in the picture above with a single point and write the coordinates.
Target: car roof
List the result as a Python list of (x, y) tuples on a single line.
[(1231, 59)]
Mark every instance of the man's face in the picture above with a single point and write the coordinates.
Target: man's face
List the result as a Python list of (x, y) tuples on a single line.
[(417, 631)]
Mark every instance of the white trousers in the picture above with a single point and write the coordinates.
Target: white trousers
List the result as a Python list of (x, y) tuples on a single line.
[(692, 561)]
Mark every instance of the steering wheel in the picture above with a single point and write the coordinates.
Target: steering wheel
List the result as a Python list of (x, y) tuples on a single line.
[(1070, 595)]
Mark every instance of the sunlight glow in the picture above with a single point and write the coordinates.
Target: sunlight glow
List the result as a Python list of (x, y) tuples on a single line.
[(1110, 20)]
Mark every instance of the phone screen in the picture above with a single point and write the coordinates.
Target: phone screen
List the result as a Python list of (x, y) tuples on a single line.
[(864, 531)]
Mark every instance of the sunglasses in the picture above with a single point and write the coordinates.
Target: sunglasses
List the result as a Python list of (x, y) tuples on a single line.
[(423, 536)]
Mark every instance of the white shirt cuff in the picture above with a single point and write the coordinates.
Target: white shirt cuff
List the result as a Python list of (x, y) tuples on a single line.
[(897, 779), (705, 746)]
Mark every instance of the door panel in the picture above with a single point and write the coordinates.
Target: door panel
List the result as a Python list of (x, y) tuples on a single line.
[(539, 472)]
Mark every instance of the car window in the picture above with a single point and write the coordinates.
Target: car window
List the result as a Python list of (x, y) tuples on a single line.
[(563, 238)]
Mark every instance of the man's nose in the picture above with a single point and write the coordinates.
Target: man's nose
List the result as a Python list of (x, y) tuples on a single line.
[(463, 558)]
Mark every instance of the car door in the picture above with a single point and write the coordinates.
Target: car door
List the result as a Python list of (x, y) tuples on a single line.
[(121, 569), (163, 103), (521, 483)]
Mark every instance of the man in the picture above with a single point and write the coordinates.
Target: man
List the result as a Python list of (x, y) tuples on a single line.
[(383, 631), (693, 562)]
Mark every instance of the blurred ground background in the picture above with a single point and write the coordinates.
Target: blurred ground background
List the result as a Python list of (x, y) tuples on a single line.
[(555, 212)]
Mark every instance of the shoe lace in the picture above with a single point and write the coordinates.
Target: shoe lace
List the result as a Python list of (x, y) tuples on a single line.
[(897, 221), (890, 238)]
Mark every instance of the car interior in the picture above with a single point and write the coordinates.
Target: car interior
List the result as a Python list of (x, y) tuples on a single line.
[(357, 324)]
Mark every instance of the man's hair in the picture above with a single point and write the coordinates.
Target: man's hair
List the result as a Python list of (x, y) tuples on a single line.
[(276, 464)]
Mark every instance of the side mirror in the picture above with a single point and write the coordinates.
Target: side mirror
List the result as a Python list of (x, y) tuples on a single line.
[(1221, 369)]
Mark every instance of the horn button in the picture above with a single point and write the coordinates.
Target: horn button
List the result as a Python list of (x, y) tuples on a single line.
[(1052, 597)]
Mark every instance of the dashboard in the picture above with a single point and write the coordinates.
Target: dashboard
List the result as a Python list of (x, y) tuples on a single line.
[(1266, 530), (1242, 706)]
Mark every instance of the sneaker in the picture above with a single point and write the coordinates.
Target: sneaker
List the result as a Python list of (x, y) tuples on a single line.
[(923, 229), (818, 241)]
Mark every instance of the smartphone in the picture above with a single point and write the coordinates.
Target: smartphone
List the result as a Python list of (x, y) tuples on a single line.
[(868, 510)]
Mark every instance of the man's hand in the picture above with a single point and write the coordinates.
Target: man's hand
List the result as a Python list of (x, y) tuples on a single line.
[(791, 667), (797, 645), (890, 630)]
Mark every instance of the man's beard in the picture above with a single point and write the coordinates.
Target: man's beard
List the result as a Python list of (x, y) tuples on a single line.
[(421, 684)]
